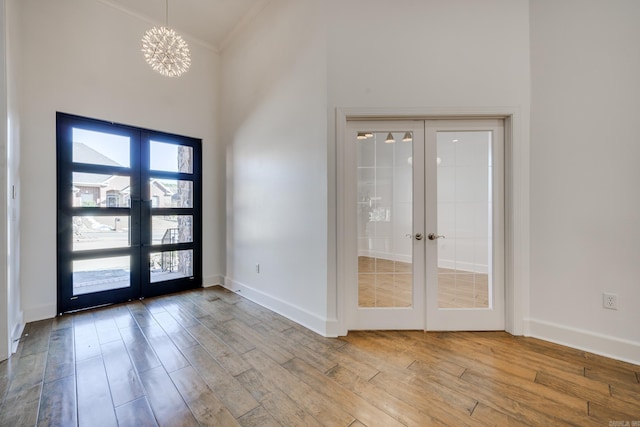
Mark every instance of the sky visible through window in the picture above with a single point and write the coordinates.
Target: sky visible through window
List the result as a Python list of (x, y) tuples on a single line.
[(116, 148)]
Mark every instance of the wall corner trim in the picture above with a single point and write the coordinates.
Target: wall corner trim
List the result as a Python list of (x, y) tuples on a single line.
[(16, 334), (603, 345), (216, 279), (41, 312)]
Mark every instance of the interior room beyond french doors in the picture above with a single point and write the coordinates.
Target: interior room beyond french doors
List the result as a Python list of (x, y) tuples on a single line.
[(425, 224)]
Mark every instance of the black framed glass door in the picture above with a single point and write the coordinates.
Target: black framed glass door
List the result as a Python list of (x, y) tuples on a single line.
[(129, 212)]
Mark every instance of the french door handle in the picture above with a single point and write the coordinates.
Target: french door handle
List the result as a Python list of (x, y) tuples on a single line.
[(145, 213), (141, 209), (134, 238), (434, 236)]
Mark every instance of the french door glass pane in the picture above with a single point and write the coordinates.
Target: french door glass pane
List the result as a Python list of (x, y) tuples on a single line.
[(99, 148), (91, 190), (101, 274), (171, 229), (385, 220), (100, 232), (171, 193), (170, 265), (171, 157), (464, 217)]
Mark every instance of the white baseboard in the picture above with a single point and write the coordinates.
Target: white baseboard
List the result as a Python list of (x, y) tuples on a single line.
[(604, 345), (292, 312), (16, 333), (217, 279)]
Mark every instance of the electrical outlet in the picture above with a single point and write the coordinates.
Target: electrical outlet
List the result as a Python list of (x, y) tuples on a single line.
[(610, 301)]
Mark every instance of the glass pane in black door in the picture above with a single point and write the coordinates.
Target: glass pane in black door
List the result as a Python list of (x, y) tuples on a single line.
[(171, 193), (101, 232), (99, 148), (100, 190), (171, 157), (170, 229), (101, 274), (170, 265)]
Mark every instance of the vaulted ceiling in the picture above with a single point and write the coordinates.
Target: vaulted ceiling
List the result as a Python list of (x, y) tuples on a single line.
[(210, 21)]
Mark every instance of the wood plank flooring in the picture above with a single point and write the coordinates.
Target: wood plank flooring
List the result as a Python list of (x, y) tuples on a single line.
[(209, 357), (386, 283)]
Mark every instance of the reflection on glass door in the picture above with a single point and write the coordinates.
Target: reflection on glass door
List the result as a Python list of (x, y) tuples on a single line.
[(464, 210), (385, 220), (388, 175), (107, 225)]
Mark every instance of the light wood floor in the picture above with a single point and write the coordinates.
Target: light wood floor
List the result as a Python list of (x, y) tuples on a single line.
[(210, 357), (386, 283)]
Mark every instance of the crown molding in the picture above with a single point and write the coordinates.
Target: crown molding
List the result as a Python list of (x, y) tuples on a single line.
[(243, 23)]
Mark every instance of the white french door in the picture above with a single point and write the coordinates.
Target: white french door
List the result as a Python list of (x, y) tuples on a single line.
[(424, 224), (464, 178), (385, 225)]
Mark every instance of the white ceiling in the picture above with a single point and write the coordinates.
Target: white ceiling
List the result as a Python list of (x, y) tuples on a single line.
[(210, 21)]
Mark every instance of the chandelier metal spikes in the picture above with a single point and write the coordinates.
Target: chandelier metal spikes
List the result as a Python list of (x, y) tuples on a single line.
[(165, 50)]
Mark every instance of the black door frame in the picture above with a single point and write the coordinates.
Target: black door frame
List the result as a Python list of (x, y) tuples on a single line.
[(140, 212)]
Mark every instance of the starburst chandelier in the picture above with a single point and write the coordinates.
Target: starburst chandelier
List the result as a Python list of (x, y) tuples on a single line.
[(165, 50)]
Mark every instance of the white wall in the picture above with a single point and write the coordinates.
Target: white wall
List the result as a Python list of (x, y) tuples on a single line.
[(14, 306), (424, 55), (428, 53), (283, 79), (585, 203), (83, 57), (4, 289), (274, 119), (581, 57)]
